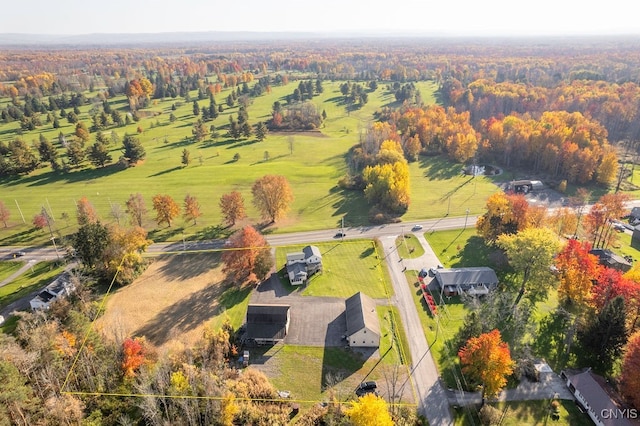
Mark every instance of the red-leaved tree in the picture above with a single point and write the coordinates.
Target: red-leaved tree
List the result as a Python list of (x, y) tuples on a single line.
[(247, 255), (577, 269), (133, 355)]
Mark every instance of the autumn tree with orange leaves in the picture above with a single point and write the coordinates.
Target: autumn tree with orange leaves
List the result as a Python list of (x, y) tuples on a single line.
[(506, 214), (232, 207), (272, 196), (134, 355), (191, 209), (166, 209), (577, 268), (486, 359), (630, 372), (247, 256), (85, 212)]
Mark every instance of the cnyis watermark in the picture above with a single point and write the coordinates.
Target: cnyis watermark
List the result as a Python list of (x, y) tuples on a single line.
[(619, 413)]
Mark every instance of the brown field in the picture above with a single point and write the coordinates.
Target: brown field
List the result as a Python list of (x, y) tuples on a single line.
[(170, 304)]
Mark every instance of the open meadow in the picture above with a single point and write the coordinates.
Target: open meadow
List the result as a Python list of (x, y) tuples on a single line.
[(173, 301), (313, 162)]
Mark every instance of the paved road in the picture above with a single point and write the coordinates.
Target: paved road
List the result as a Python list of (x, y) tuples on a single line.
[(433, 400)]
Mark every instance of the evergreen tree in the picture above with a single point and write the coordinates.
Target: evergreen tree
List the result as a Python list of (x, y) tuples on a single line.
[(133, 149), (196, 108), (604, 338)]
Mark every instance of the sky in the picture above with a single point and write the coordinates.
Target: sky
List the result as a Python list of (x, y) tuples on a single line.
[(446, 17)]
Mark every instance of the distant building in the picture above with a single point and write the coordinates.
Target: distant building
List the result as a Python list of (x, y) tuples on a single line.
[(475, 281), (363, 326), (611, 260), (302, 265), (525, 186), (596, 397), (59, 288), (268, 324)]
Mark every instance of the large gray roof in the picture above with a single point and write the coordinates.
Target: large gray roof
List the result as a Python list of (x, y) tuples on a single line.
[(599, 400), (311, 251), (466, 276), (267, 321), (360, 311)]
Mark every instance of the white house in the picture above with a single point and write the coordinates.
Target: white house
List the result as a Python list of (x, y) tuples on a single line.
[(59, 288), (301, 265), (589, 391), (363, 326)]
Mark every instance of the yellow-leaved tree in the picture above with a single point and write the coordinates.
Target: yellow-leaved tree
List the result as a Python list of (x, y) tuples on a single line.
[(369, 409)]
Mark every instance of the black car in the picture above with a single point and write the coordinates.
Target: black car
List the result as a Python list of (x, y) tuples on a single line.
[(340, 235), (366, 387)]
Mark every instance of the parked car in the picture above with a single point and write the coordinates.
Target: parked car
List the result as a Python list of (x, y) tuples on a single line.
[(366, 387), (433, 269)]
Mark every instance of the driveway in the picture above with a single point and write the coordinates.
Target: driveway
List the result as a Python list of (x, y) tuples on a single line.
[(315, 321)]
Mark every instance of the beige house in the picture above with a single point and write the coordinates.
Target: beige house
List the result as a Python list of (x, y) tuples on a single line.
[(363, 326)]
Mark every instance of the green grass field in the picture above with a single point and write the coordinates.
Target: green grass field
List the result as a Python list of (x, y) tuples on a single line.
[(409, 247), (37, 277), (8, 268), (312, 162), (342, 275)]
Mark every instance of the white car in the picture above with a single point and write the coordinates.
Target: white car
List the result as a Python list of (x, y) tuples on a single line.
[(417, 227)]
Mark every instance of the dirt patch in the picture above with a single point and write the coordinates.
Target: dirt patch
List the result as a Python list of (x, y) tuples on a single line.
[(169, 304)]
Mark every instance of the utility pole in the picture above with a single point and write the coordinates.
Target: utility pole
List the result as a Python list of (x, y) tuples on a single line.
[(465, 219), (20, 210)]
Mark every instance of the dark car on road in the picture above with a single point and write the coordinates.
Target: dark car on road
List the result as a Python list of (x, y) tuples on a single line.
[(366, 387)]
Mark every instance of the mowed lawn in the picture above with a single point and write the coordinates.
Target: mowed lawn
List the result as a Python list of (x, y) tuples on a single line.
[(348, 267), (36, 277), (174, 300), (313, 162), (308, 372), (9, 268)]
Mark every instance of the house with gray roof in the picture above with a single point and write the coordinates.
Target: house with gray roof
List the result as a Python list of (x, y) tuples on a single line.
[(267, 324), (363, 326), (474, 281), (303, 264), (59, 288), (594, 395)]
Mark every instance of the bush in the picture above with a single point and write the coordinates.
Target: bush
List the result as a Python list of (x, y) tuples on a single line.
[(489, 415)]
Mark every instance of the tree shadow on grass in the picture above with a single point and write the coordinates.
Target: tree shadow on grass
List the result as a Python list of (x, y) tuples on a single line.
[(166, 234), (214, 232), (439, 168), (19, 238), (188, 265), (183, 316), (342, 362), (351, 206), (81, 175), (164, 172), (474, 253)]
